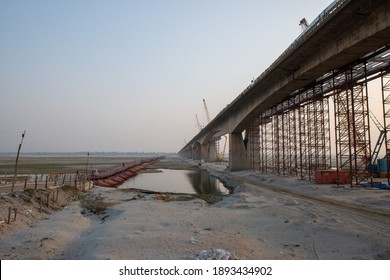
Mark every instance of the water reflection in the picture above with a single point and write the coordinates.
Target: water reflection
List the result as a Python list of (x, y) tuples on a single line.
[(203, 183), (177, 181)]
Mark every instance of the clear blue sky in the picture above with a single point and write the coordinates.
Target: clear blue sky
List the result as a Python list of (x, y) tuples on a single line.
[(131, 75)]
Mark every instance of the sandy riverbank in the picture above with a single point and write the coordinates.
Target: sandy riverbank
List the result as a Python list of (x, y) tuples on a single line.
[(252, 223)]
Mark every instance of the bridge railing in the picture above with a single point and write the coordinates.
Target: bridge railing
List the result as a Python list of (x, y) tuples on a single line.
[(311, 29)]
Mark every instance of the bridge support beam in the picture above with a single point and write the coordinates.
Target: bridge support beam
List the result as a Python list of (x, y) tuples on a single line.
[(208, 152), (211, 152), (187, 153), (196, 151), (205, 152), (237, 153)]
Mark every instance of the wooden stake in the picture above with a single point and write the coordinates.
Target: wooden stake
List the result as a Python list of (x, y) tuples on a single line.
[(15, 212), (16, 163), (9, 215)]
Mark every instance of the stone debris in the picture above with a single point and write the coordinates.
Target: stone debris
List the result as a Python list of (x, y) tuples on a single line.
[(193, 240), (215, 254)]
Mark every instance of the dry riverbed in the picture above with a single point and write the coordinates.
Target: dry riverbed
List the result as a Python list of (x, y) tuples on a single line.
[(254, 222)]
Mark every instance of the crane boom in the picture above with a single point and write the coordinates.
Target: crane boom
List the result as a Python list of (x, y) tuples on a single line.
[(207, 111), (197, 122)]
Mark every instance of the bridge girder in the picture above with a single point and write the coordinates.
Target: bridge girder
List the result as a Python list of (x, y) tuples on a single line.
[(355, 30)]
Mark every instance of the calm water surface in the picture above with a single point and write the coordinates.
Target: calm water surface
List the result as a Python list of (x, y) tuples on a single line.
[(178, 181)]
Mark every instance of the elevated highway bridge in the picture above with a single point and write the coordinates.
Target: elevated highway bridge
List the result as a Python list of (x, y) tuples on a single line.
[(281, 123)]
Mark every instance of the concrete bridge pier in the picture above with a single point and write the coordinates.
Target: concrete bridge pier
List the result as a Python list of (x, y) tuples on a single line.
[(205, 152), (187, 153), (237, 153), (212, 152), (197, 151), (209, 152)]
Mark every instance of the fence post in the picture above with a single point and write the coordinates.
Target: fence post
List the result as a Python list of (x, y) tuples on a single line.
[(36, 181), (16, 212), (64, 179), (9, 215), (58, 191), (25, 183), (48, 200), (46, 182)]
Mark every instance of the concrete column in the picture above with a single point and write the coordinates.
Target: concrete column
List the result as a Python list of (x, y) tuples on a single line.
[(205, 153), (196, 151), (212, 152), (237, 153), (193, 152)]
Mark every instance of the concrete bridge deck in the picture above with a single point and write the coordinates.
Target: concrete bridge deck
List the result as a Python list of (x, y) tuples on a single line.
[(343, 34)]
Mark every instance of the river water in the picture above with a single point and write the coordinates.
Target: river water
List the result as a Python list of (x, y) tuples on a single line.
[(177, 181)]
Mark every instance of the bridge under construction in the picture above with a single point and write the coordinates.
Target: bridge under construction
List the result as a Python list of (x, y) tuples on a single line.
[(310, 114)]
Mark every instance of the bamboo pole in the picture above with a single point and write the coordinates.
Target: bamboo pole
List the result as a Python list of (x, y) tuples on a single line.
[(16, 162)]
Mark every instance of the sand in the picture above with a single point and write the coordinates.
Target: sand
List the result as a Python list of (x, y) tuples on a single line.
[(264, 218)]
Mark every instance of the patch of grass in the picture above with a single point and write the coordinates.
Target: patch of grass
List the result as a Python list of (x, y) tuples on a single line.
[(165, 198), (131, 198), (71, 164), (26, 197), (210, 198), (96, 205)]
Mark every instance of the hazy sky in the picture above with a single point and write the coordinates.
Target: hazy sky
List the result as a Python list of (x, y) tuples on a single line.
[(130, 75)]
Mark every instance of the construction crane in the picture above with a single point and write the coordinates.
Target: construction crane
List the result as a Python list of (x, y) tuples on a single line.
[(222, 155), (207, 111), (303, 24), (197, 122), (381, 137)]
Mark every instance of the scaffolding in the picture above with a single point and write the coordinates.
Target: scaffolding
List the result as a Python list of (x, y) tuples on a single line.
[(295, 137), (385, 86), (254, 144)]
